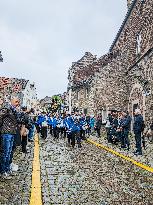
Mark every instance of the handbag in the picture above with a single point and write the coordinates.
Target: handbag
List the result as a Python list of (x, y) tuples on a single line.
[(23, 131)]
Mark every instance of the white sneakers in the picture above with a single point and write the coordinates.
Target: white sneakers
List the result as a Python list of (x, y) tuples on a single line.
[(14, 167), (7, 175)]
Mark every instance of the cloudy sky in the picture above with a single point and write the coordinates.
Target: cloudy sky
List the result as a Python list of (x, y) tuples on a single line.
[(40, 39)]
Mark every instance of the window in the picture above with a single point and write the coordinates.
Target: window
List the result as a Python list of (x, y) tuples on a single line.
[(86, 92), (138, 44), (78, 96)]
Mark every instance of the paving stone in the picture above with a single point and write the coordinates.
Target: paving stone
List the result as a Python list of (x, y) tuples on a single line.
[(91, 176), (17, 190)]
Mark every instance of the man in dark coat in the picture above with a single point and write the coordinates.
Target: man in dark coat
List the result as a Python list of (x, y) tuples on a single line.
[(137, 128), (126, 124), (8, 127), (98, 125)]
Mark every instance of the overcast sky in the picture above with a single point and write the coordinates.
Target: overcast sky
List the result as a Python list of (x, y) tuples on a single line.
[(40, 39)]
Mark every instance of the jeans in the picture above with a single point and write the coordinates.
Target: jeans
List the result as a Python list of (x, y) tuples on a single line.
[(31, 133), (82, 134), (108, 134), (69, 136), (78, 138), (125, 138), (56, 131), (7, 144), (138, 142), (51, 129), (98, 132), (37, 128), (73, 139), (24, 144), (13, 149), (44, 132)]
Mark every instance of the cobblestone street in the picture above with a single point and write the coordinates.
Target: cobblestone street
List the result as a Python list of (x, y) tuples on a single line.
[(76, 102), (90, 176), (16, 191)]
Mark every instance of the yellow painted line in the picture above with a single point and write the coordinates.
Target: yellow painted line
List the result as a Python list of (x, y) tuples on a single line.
[(36, 198), (143, 166)]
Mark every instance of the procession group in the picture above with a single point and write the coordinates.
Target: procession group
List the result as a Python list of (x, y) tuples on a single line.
[(77, 127)]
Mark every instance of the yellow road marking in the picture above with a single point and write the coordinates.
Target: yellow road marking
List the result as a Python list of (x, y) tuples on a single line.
[(143, 166), (36, 198)]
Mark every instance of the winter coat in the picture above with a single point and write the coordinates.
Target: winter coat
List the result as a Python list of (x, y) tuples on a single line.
[(138, 123), (115, 123), (9, 120), (126, 123), (92, 122), (98, 124)]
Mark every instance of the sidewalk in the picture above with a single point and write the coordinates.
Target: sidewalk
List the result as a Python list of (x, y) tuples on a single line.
[(16, 191)]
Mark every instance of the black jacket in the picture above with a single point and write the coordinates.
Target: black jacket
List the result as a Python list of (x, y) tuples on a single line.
[(8, 120), (98, 124), (126, 124), (138, 123)]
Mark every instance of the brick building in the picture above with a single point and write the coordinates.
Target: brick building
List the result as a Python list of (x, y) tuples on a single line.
[(25, 90), (121, 79)]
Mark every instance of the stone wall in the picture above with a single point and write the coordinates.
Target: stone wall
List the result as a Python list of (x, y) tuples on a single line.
[(111, 83), (139, 20), (141, 88)]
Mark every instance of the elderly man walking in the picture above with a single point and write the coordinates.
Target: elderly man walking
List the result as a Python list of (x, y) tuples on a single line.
[(8, 128)]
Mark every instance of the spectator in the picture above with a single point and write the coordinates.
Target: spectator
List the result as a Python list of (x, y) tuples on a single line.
[(44, 125), (92, 123), (98, 125), (138, 128), (9, 121), (25, 126), (126, 125)]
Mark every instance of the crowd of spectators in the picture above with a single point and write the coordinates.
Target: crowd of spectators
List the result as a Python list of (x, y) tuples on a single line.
[(16, 128)]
